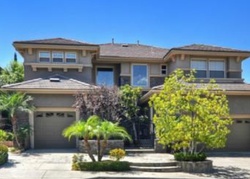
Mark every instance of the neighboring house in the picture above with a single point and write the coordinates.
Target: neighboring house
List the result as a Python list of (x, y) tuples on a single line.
[(55, 69)]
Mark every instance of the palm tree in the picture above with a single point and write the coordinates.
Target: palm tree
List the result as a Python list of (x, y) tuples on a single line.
[(14, 103), (81, 129), (110, 129), (95, 127), (13, 73)]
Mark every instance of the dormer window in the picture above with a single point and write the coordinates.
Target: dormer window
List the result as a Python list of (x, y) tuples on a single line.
[(70, 57), (57, 57), (44, 56)]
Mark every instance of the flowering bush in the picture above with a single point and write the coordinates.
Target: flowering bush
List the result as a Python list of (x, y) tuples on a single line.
[(117, 154)]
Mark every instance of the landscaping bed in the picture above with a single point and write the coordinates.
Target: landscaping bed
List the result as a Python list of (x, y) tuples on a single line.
[(102, 166)]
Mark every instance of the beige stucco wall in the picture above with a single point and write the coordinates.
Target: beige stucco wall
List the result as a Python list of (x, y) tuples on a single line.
[(53, 100), (125, 68), (233, 64), (85, 75), (239, 104)]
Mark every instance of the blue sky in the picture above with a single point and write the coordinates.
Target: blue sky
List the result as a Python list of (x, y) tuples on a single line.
[(154, 22)]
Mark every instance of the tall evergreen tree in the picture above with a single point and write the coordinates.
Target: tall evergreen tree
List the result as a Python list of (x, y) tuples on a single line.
[(15, 57)]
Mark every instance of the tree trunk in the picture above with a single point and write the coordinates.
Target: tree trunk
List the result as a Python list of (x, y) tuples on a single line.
[(103, 148), (135, 132), (14, 127), (88, 149), (99, 150)]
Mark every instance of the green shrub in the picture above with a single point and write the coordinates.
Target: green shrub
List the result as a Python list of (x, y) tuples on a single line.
[(9, 136), (3, 154), (117, 154), (190, 157), (3, 149), (102, 166), (3, 135), (78, 158)]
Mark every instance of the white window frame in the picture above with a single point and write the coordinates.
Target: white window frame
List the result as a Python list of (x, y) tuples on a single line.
[(110, 67), (52, 56), (161, 70), (132, 74), (217, 60), (39, 54), (65, 56)]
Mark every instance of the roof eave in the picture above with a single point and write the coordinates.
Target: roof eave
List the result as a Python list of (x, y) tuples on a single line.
[(46, 91), (174, 51), (147, 96)]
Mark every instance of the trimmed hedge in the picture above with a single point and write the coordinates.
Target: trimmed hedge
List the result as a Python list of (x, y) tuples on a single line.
[(101, 166), (3, 154), (190, 157)]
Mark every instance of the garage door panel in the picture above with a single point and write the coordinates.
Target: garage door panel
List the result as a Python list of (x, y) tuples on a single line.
[(48, 127), (239, 137)]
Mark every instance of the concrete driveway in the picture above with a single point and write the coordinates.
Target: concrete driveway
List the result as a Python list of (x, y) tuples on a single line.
[(48, 164)]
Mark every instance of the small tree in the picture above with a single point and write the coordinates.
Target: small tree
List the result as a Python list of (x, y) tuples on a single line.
[(188, 114), (132, 111), (97, 128), (14, 103), (13, 73), (101, 101)]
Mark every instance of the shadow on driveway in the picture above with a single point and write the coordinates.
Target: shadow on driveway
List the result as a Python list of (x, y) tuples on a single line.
[(227, 172), (228, 154)]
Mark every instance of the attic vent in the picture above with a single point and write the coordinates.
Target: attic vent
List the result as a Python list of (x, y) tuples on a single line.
[(54, 79), (124, 45)]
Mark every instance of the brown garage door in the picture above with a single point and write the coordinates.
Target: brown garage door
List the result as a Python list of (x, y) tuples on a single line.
[(239, 138), (48, 127)]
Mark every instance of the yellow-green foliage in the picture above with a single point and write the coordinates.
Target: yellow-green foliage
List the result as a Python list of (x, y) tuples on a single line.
[(3, 149), (117, 154), (188, 113), (3, 154), (3, 135)]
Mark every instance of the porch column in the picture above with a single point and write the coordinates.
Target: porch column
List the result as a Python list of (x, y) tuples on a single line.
[(77, 119), (151, 122), (31, 122)]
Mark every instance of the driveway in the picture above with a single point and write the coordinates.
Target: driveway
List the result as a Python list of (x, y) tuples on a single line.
[(48, 164)]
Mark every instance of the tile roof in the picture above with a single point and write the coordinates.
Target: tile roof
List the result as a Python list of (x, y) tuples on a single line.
[(131, 51), (202, 47), (224, 86), (55, 41), (50, 83)]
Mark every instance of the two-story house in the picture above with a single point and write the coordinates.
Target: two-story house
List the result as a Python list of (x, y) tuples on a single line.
[(55, 69)]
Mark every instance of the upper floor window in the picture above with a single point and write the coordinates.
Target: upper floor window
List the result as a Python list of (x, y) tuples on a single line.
[(140, 75), (163, 69), (201, 68), (105, 76), (216, 69), (209, 69), (57, 57), (44, 56), (70, 57)]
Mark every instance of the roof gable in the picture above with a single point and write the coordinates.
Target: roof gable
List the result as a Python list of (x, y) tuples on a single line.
[(131, 51), (63, 83), (203, 47), (55, 41)]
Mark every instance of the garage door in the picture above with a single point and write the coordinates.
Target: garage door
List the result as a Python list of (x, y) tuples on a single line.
[(48, 127), (239, 138)]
